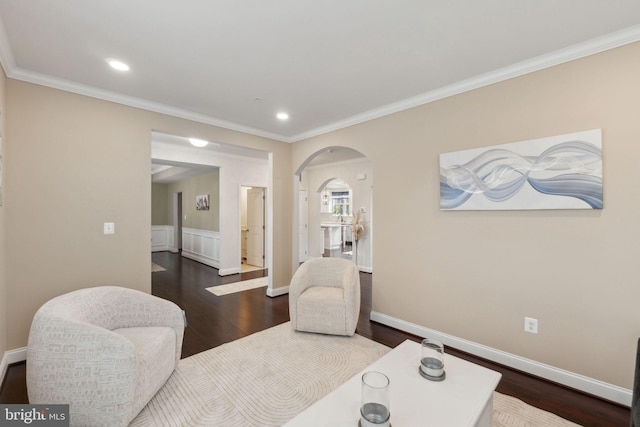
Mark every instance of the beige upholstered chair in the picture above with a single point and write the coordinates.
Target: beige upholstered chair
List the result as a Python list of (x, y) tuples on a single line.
[(324, 297), (105, 351)]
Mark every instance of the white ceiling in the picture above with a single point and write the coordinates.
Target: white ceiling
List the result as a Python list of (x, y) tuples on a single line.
[(329, 63), (165, 172)]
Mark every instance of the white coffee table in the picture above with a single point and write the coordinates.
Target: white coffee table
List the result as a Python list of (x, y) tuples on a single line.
[(464, 398)]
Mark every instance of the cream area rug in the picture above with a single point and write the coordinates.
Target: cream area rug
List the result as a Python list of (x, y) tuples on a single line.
[(239, 286), (263, 380), (155, 268), (269, 377)]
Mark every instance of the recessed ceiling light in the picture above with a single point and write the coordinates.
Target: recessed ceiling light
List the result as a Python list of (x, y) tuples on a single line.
[(282, 115), (198, 142), (117, 65)]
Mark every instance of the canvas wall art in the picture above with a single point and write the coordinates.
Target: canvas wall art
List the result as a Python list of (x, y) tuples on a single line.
[(559, 172), (202, 202)]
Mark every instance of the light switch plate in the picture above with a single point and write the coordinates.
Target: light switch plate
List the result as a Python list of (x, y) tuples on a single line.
[(109, 228)]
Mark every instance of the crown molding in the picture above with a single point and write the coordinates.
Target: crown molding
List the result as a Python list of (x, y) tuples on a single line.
[(580, 50), (69, 86)]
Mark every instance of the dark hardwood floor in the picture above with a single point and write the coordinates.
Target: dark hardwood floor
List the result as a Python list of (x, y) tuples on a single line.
[(216, 320)]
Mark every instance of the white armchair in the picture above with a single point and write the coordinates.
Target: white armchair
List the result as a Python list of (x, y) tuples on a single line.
[(105, 351), (324, 297)]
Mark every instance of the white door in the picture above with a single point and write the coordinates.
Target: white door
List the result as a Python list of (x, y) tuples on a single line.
[(255, 226), (303, 235)]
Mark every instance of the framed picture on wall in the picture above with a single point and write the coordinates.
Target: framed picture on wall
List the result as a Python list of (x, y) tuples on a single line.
[(202, 202), (558, 172)]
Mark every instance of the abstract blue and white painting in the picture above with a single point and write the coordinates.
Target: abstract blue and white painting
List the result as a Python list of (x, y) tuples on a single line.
[(559, 172)]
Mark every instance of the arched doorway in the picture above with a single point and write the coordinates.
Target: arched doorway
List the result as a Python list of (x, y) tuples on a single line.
[(336, 218), (332, 190)]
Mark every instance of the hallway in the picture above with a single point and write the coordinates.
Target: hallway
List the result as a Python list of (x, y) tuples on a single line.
[(214, 320)]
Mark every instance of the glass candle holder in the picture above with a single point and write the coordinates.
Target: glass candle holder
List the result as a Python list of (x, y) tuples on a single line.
[(432, 359), (375, 405)]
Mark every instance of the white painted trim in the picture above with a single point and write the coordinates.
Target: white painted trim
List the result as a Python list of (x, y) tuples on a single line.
[(202, 246), (580, 50), (201, 259), (162, 238), (19, 73), (10, 357), (579, 382), (229, 271), (276, 292), (16, 355), (561, 56)]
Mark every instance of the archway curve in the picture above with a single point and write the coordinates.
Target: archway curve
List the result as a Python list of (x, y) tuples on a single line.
[(340, 154), (330, 155), (326, 182)]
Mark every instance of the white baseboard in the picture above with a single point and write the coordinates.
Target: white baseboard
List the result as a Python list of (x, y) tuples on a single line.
[(15, 355), (579, 382), (3, 368), (9, 357), (202, 259), (276, 292), (229, 271)]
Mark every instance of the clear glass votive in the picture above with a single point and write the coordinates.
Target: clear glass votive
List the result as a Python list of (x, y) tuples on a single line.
[(432, 359), (375, 405)]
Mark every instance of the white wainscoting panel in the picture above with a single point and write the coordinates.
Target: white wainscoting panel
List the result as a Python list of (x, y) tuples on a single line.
[(202, 246), (162, 238)]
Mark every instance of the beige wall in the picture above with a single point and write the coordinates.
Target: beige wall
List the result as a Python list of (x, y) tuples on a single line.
[(3, 283), (162, 201), (476, 275), (77, 162), (208, 183), (160, 204)]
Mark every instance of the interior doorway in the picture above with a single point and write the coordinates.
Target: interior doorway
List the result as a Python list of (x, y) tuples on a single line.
[(177, 220), (217, 241), (252, 228), (337, 185)]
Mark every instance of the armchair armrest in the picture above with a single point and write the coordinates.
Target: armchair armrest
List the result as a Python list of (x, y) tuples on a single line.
[(73, 361), (137, 309)]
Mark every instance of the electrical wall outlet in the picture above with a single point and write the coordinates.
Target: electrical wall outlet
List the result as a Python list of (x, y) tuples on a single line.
[(531, 325)]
